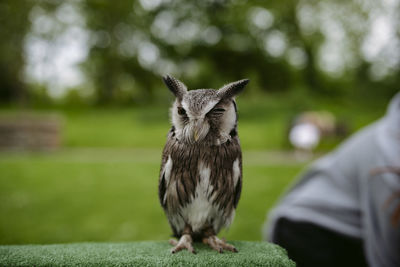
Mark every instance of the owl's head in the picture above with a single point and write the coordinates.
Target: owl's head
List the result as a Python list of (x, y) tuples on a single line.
[(205, 115)]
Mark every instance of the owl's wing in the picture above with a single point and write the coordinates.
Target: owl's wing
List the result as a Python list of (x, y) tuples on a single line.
[(162, 183), (238, 187), (161, 190), (227, 194)]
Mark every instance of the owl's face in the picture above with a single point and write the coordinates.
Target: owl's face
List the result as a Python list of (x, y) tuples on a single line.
[(204, 115)]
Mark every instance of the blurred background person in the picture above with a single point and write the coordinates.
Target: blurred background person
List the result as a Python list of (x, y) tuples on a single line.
[(308, 128), (344, 210)]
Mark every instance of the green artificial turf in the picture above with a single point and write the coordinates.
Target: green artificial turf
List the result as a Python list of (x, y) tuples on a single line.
[(149, 253)]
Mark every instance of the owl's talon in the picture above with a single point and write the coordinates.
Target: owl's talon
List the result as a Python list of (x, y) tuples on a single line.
[(218, 244), (173, 242), (185, 242)]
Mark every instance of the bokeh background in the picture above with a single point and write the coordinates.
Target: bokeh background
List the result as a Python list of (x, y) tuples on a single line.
[(84, 113)]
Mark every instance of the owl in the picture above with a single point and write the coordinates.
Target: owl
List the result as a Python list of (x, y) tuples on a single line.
[(201, 170)]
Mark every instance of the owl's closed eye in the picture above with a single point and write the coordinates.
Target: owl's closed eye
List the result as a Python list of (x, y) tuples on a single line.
[(204, 115)]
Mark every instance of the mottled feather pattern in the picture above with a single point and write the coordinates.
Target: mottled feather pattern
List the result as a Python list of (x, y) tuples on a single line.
[(200, 99), (185, 175)]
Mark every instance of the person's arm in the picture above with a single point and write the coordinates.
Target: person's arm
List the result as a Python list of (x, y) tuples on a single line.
[(380, 206)]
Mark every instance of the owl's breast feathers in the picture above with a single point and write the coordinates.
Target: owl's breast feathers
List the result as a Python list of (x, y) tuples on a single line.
[(205, 178)]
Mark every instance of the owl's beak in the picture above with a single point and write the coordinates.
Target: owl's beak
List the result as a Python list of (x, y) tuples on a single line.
[(199, 130), (196, 135)]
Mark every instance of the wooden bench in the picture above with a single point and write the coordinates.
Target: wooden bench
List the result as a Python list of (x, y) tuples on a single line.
[(29, 131)]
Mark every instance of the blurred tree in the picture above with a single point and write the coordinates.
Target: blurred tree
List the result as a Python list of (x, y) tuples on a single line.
[(335, 47), (279, 45), (14, 21)]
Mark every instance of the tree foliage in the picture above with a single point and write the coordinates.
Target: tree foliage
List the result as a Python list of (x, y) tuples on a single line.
[(305, 45), (14, 25)]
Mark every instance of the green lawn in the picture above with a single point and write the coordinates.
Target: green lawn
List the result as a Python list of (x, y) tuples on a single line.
[(263, 122), (102, 184), (111, 195)]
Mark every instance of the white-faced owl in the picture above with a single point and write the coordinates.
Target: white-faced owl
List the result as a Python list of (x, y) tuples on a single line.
[(201, 171)]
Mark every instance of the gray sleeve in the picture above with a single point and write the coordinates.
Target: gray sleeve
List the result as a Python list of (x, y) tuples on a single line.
[(379, 195), (380, 198), (344, 181)]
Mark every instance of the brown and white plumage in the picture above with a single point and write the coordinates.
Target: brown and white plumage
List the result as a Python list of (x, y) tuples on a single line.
[(201, 170)]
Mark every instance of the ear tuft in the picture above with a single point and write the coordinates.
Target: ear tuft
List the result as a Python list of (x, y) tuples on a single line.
[(175, 86), (232, 89)]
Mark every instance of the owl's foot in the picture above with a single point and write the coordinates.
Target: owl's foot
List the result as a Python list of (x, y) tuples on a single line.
[(217, 244), (184, 242)]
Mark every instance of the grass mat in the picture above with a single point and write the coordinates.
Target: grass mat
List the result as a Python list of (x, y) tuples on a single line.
[(148, 253)]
